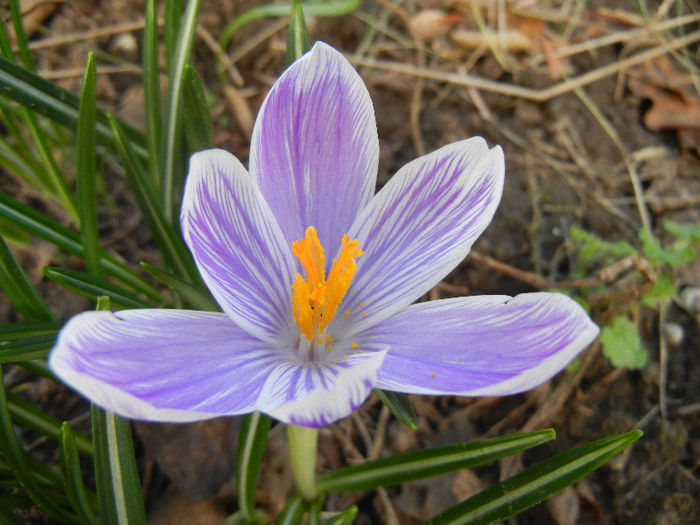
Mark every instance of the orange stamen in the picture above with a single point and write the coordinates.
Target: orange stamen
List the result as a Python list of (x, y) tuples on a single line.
[(315, 300)]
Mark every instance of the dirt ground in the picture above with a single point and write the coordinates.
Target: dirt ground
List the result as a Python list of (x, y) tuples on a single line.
[(575, 149)]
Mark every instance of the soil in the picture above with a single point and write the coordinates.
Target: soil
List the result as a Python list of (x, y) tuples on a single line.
[(563, 169)]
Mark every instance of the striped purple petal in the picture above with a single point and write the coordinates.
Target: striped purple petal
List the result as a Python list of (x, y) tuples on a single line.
[(314, 148), (418, 228), (238, 246), (163, 365), (480, 346)]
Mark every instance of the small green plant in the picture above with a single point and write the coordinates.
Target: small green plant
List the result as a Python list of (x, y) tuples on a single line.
[(655, 263)]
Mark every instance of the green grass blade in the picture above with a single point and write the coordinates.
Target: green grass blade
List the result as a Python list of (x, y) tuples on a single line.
[(38, 224), (400, 406), (16, 459), (46, 98), (167, 238), (14, 331), (86, 179), (199, 131), (321, 9), (118, 485), (345, 517), (19, 289), (72, 475), (7, 516), (171, 29), (199, 297), (27, 415), (422, 464), (535, 484), (93, 287), (293, 512), (21, 35), (172, 168), (297, 34), (252, 441), (35, 347), (151, 87)]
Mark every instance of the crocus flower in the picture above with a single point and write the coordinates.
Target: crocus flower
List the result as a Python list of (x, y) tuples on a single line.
[(316, 277)]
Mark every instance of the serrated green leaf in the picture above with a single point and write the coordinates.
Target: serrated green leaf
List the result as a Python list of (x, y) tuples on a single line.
[(19, 289), (622, 344), (297, 34), (592, 248), (72, 475), (400, 406), (535, 484), (684, 232), (38, 224), (86, 178), (662, 289), (677, 254), (252, 441), (199, 131), (93, 287), (423, 464)]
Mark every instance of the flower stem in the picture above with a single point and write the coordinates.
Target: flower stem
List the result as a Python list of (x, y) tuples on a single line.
[(302, 452)]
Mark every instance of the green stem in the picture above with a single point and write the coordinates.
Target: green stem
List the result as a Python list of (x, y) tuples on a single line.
[(302, 451)]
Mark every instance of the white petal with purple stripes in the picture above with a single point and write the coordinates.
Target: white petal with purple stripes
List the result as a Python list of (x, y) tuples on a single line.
[(484, 345), (418, 228), (238, 246), (163, 365), (314, 149)]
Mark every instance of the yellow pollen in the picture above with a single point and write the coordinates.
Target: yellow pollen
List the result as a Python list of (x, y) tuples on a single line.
[(315, 299), (354, 345)]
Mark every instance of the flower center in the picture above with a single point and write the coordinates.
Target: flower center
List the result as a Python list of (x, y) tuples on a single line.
[(315, 299)]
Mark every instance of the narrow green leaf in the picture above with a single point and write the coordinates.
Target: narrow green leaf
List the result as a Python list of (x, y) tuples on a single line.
[(537, 483), (38, 224), (13, 454), (345, 517), (19, 289), (297, 34), (72, 475), (118, 486), (252, 441), (168, 239), (199, 130), (293, 511), (27, 415), (7, 516), (328, 8), (428, 463), (93, 287), (21, 35), (86, 179), (197, 296), (171, 164), (151, 87), (14, 331), (314, 517), (400, 406), (171, 30), (46, 98), (28, 349)]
